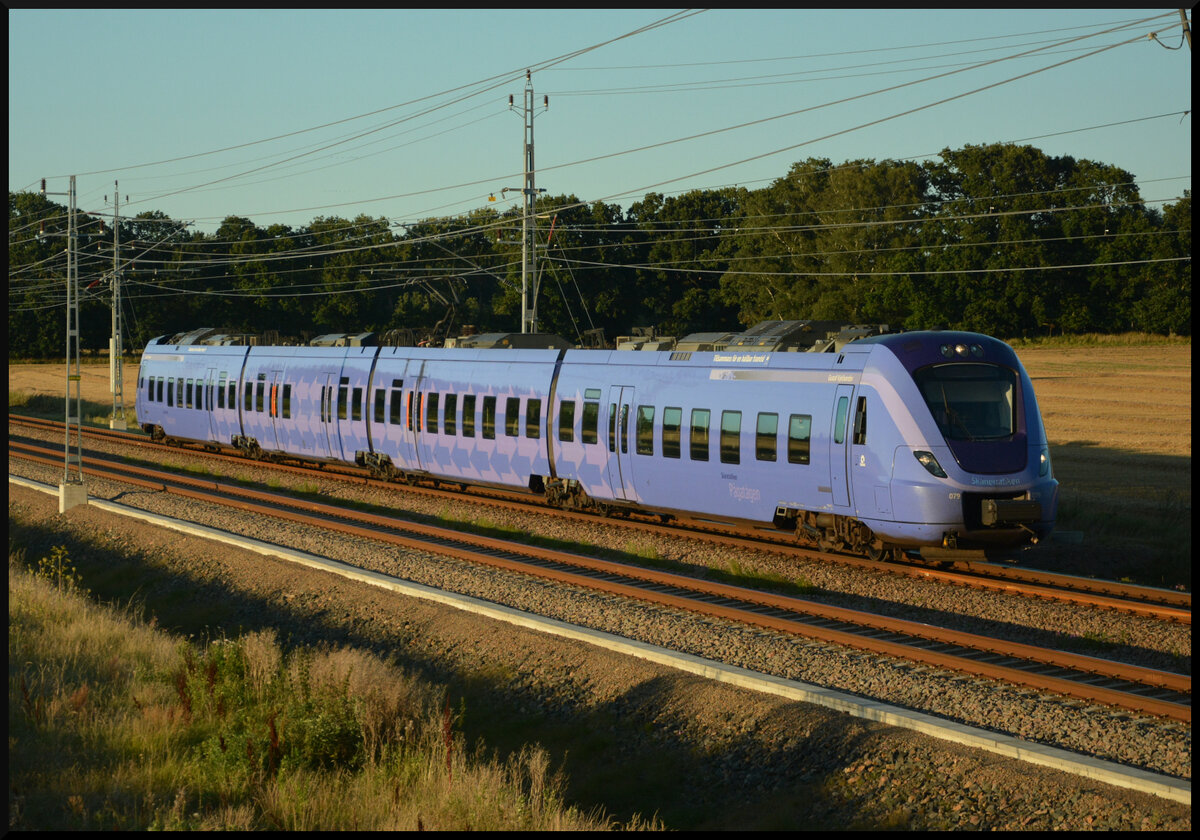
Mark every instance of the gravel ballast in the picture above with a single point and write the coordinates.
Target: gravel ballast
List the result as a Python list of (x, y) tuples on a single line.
[(746, 747)]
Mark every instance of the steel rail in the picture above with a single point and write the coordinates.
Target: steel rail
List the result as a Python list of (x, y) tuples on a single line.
[(1151, 602), (466, 546), (1161, 604)]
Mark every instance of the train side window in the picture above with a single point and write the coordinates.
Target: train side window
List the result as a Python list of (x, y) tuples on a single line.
[(410, 411), (512, 415), (612, 427), (357, 404), (258, 396), (179, 392), (489, 418), (839, 426), (566, 420), (160, 388), (431, 413), (731, 433), (590, 433), (672, 420), (449, 414), (343, 397), (287, 401), (188, 395), (171, 391), (533, 418), (860, 421), (698, 445), (380, 404), (468, 423), (799, 432), (645, 430), (765, 437), (221, 393), (397, 402), (233, 393), (624, 428)]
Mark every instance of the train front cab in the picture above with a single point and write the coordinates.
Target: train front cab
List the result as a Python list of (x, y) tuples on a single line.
[(970, 468)]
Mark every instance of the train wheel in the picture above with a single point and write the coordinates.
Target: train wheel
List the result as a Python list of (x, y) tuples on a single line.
[(885, 553)]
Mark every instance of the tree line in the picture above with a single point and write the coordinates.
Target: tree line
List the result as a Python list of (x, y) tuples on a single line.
[(999, 239)]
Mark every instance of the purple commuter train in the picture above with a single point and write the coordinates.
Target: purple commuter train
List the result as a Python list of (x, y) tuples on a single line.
[(894, 442)]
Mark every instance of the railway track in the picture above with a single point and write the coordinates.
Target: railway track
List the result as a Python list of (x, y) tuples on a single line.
[(1147, 691), (1162, 604)]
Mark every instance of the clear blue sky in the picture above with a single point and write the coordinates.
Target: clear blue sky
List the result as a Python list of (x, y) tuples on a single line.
[(150, 98)]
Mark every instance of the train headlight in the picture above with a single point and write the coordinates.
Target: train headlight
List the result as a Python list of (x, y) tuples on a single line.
[(1044, 464), (961, 351), (930, 463)]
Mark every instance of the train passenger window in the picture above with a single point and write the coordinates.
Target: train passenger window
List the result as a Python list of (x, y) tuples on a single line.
[(839, 425), (731, 433), (357, 404), (699, 439), (645, 430), (860, 421), (397, 402), (179, 392), (221, 393), (612, 427), (489, 418), (380, 404), (233, 393), (188, 404), (448, 414), (624, 428), (468, 423), (418, 414), (410, 412), (799, 431), (258, 395), (672, 419), (343, 397), (566, 420), (533, 419), (590, 433), (171, 391), (160, 388), (287, 401), (431, 413), (765, 437), (324, 390), (512, 414)]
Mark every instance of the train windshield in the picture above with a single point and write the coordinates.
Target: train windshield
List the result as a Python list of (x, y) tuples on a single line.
[(970, 401)]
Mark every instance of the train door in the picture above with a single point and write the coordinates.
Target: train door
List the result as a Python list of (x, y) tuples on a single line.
[(210, 403), (351, 423), (839, 445), (275, 396), (414, 417), (620, 472), (324, 445)]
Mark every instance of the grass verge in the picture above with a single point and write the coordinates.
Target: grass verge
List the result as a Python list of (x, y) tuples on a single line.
[(114, 724)]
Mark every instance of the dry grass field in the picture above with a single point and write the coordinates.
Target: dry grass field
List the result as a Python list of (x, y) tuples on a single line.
[(1118, 415)]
